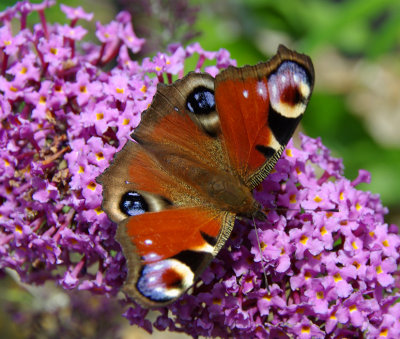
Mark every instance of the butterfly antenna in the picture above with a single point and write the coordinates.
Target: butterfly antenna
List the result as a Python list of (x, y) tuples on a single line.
[(261, 256), (278, 208)]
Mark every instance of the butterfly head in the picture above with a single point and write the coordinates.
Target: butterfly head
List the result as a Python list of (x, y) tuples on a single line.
[(259, 215), (254, 211)]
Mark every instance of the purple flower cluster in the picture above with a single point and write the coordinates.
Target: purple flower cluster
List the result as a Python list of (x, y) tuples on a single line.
[(62, 119), (64, 115), (330, 260)]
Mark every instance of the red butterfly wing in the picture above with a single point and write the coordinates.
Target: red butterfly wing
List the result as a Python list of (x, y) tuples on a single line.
[(259, 108), (166, 251)]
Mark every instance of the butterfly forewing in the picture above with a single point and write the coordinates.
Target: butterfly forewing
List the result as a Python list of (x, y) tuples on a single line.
[(259, 108)]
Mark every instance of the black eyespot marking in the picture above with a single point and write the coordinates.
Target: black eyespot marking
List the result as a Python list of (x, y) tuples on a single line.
[(282, 127), (267, 151), (133, 203), (211, 240), (201, 101), (193, 259)]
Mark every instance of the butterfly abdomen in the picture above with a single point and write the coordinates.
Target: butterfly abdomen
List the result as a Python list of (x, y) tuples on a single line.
[(226, 190)]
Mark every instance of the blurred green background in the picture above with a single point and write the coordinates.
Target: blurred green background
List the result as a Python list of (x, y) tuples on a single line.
[(354, 44)]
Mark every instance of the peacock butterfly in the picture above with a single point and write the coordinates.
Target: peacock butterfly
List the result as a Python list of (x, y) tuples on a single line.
[(201, 148)]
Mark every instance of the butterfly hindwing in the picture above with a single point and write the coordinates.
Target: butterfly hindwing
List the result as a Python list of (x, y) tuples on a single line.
[(167, 232), (167, 251)]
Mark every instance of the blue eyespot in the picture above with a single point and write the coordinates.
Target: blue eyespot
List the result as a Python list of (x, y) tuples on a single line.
[(201, 101), (132, 203)]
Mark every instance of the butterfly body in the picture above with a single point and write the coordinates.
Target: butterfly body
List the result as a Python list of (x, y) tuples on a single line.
[(201, 148)]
